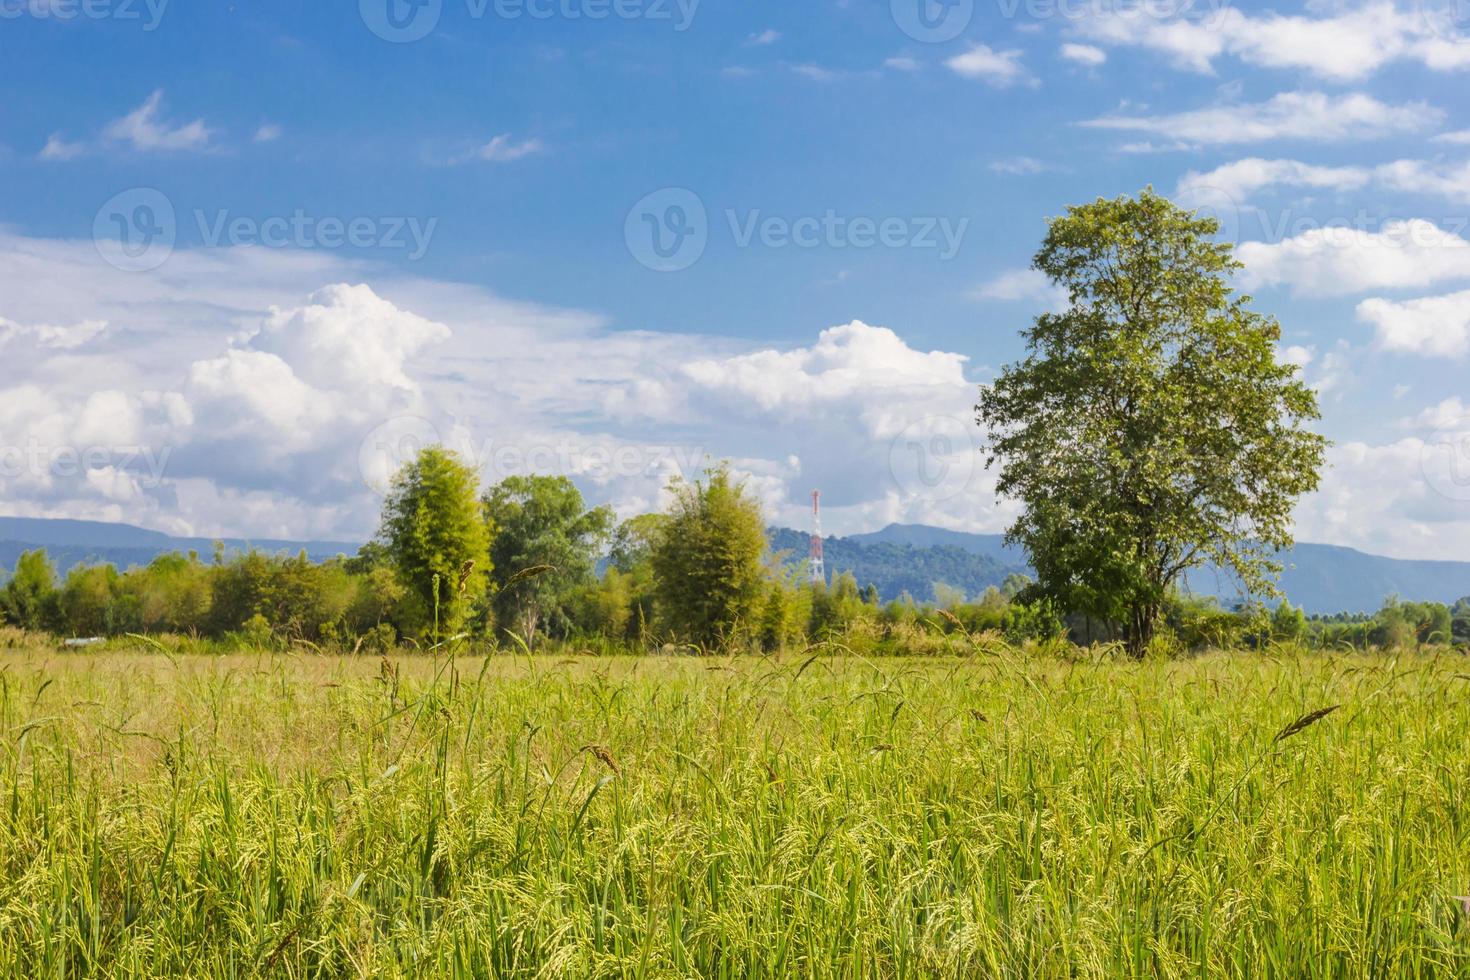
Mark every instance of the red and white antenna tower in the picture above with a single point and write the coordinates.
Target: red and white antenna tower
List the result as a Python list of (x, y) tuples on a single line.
[(815, 562)]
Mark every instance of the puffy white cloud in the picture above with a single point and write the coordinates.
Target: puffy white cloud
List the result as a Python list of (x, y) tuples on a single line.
[(998, 68), (1346, 45), (143, 129), (1435, 326), (348, 338), (1288, 115), (1240, 179), (1344, 260), (1084, 54)]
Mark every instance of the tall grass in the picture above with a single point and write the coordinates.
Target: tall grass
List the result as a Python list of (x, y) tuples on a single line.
[(816, 816)]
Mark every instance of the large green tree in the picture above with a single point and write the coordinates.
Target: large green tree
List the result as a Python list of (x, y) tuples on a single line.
[(545, 547), (1151, 427), (434, 532), (707, 559), (30, 599)]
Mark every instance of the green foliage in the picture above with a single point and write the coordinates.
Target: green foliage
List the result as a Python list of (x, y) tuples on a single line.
[(1151, 428), (998, 816), (435, 534), (30, 599), (707, 559), (544, 546)]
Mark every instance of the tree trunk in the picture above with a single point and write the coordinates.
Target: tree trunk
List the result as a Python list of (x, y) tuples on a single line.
[(1140, 630)]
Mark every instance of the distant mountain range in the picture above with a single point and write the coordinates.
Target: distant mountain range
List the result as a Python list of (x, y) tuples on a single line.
[(1320, 578), (71, 543), (900, 558)]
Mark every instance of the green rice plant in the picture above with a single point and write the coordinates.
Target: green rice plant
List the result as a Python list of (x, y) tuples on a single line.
[(999, 812)]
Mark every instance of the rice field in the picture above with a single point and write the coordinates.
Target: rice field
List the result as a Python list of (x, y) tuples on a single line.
[(994, 816)]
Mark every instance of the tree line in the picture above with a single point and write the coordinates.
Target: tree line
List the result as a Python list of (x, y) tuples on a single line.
[(1151, 428)]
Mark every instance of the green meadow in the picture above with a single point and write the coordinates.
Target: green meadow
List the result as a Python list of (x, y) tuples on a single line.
[(997, 814)]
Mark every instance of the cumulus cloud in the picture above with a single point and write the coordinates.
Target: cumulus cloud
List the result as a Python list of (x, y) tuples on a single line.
[(1434, 326), (1342, 260), (144, 129), (1346, 45), (51, 337), (1242, 178), (998, 68), (1289, 115)]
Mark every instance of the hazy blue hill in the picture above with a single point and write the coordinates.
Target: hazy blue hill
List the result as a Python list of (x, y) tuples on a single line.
[(1320, 578), (71, 543), (899, 566), (900, 558)]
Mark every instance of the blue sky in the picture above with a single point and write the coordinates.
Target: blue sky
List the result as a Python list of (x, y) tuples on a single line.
[(506, 170)]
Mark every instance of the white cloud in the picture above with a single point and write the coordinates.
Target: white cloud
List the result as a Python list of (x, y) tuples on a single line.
[(1341, 261), (1084, 54), (1387, 500), (1348, 45), (267, 133), (60, 149), (1287, 116), (998, 68), (901, 62), (1242, 178), (505, 149), (1434, 326), (817, 73), (765, 37), (1460, 137), (1239, 180), (142, 129), (1019, 166), (1296, 354), (51, 337), (1025, 285), (1450, 412)]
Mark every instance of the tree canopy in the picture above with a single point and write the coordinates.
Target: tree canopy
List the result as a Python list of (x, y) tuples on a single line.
[(544, 545), (1151, 427), (436, 536)]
